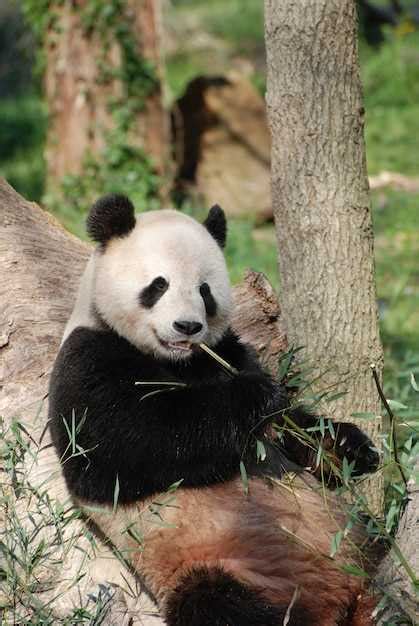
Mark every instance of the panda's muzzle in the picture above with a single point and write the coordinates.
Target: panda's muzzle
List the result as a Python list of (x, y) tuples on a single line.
[(187, 329)]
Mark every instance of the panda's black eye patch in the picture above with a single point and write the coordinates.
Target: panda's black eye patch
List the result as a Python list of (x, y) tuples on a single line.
[(208, 298), (153, 292)]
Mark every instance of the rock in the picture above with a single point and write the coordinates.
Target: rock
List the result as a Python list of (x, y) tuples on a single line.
[(223, 145)]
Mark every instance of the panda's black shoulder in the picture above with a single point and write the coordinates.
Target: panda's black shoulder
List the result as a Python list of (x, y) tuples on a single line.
[(88, 353), (86, 345)]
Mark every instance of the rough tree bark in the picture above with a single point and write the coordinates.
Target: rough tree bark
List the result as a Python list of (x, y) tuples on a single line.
[(321, 200), (82, 79)]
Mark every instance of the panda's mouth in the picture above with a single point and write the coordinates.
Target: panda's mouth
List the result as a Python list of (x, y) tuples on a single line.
[(184, 346), (176, 346)]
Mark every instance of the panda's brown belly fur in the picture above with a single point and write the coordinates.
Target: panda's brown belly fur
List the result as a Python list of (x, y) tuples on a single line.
[(276, 538)]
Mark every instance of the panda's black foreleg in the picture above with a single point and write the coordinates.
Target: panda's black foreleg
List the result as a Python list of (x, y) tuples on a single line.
[(348, 440), (212, 597), (344, 441)]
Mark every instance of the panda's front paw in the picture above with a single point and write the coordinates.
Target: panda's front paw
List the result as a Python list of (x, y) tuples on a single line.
[(353, 444)]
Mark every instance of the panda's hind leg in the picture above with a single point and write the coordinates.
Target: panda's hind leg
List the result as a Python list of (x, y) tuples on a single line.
[(212, 597)]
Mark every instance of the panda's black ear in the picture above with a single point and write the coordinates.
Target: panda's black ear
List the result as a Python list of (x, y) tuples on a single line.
[(111, 216), (216, 224)]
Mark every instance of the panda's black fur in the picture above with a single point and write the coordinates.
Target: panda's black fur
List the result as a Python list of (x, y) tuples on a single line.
[(197, 435), (117, 437)]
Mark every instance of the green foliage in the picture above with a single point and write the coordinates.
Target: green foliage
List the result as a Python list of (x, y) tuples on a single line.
[(39, 15), (398, 86), (34, 539), (244, 250), (122, 168), (23, 128), (239, 22), (183, 67), (16, 51)]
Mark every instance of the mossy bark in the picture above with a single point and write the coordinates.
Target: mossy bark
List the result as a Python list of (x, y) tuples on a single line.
[(88, 88)]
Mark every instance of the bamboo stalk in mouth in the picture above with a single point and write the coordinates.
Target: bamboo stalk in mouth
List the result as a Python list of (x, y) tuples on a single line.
[(217, 357)]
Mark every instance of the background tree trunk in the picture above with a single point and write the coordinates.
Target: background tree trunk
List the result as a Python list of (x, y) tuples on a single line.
[(321, 200), (153, 125), (85, 78)]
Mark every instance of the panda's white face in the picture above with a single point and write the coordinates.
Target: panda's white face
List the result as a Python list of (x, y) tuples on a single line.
[(164, 286)]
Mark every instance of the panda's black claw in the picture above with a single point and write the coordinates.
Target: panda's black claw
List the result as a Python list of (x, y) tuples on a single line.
[(367, 461), (358, 448)]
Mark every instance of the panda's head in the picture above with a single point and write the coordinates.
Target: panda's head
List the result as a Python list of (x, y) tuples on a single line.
[(160, 279)]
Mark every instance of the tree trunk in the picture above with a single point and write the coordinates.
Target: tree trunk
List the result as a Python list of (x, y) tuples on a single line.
[(89, 77), (391, 577), (153, 125), (321, 200)]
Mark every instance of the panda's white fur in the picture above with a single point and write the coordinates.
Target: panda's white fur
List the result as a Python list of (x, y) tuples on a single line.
[(163, 243), (82, 313)]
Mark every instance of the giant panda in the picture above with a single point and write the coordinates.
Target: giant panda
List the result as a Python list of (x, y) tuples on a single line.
[(158, 441)]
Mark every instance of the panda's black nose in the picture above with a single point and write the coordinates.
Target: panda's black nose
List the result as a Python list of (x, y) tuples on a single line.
[(187, 328)]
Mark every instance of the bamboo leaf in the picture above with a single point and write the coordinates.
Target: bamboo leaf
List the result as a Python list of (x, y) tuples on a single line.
[(283, 365), (354, 570), (364, 415), (397, 406), (336, 541), (116, 494), (244, 476), (336, 396), (260, 451)]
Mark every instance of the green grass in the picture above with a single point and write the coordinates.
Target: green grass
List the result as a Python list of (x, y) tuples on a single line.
[(244, 251), (397, 275), (397, 255), (390, 77), (239, 22)]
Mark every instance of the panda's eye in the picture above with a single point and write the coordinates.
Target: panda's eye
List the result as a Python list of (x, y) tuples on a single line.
[(209, 300), (153, 292)]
